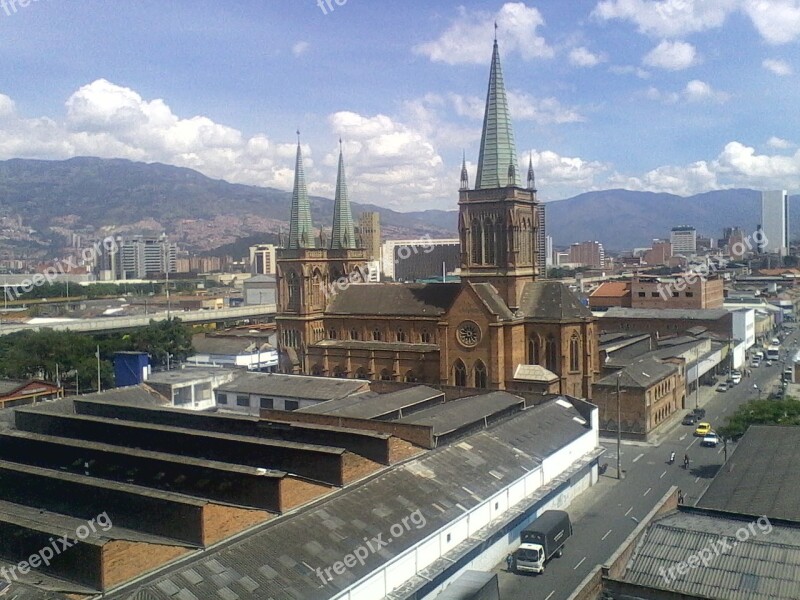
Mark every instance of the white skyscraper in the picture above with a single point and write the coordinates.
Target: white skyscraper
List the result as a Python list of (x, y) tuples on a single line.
[(775, 222)]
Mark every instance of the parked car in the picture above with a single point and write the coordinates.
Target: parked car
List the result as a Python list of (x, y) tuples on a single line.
[(700, 413), (722, 387), (736, 379), (689, 419), (702, 429), (711, 439)]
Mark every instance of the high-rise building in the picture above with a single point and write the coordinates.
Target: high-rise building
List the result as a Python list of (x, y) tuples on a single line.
[(683, 239), (262, 259), (138, 257), (590, 254), (369, 230), (774, 222), (548, 252)]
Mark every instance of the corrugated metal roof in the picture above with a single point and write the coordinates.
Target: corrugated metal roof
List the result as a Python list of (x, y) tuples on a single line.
[(456, 414), (281, 559), (293, 386), (371, 405), (762, 566), (761, 477)]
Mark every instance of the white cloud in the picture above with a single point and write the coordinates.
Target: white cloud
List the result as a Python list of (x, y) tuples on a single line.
[(683, 181), (671, 56), (779, 67), (778, 21), (667, 18), (742, 165), (779, 143), (540, 110), (554, 172), (700, 91), (469, 37), (300, 48), (7, 106), (629, 70), (582, 57)]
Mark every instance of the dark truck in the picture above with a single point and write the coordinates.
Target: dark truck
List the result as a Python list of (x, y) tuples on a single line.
[(541, 540)]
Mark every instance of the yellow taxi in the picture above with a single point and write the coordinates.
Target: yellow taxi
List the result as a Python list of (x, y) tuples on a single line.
[(702, 429)]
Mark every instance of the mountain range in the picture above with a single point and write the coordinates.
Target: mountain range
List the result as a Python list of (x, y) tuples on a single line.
[(43, 203)]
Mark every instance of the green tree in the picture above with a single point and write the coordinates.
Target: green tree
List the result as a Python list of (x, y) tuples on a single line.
[(163, 338), (761, 412)]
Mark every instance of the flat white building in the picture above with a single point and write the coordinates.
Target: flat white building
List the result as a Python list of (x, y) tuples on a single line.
[(775, 222), (683, 240)]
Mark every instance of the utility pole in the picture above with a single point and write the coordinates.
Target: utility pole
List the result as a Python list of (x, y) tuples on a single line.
[(619, 431), (97, 354), (168, 301), (697, 376)]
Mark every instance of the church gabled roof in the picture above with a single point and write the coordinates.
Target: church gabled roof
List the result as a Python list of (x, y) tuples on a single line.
[(395, 299), (551, 301), (301, 230), (497, 163), (343, 233)]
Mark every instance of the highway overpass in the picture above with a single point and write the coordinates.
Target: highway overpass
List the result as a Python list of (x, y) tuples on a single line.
[(258, 313)]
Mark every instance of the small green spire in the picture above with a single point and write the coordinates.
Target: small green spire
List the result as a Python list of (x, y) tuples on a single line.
[(497, 162), (301, 230), (343, 233)]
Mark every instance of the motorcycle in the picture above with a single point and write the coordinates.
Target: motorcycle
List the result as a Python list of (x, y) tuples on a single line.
[(671, 458)]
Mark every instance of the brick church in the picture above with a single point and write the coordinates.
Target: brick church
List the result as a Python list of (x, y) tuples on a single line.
[(500, 327)]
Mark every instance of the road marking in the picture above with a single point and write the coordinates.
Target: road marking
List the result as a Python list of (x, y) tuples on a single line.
[(606, 535), (647, 492), (683, 437), (579, 564), (692, 444), (697, 479), (550, 595), (664, 473), (629, 511), (638, 457)]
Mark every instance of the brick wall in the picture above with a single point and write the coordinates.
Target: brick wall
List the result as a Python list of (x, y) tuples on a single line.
[(296, 492), (122, 560), (220, 522)]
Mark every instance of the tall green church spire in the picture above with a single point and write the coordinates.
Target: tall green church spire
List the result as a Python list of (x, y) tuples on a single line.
[(497, 163), (343, 234), (301, 231)]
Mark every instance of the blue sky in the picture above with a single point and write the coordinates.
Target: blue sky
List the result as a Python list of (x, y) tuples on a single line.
[(681, 96)]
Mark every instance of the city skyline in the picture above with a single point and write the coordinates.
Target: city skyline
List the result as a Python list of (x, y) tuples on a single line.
[(657, 96)]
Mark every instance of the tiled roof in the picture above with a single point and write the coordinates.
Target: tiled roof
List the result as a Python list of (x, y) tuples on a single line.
[(489, 296), (762, 477), (641, 373), (293, 386), (764, 566), (280, 559), (695, 314), (551, 300), (394, 299)]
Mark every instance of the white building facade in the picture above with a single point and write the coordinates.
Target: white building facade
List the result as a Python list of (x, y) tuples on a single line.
[(775, 222)]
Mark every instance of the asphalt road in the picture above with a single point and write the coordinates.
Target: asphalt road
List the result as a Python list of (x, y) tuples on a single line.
[(606, 514)]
